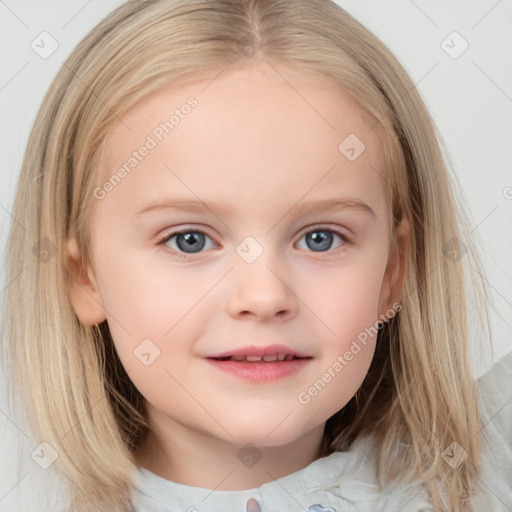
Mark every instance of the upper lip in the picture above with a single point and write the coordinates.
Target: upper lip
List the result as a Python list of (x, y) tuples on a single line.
[(256, 350)]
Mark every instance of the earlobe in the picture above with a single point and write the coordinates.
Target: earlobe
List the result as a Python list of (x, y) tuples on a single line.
[(83, 292), (394, 274)]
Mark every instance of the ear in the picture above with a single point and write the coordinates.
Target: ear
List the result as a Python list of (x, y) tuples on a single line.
[(83, 291), (394, 275)]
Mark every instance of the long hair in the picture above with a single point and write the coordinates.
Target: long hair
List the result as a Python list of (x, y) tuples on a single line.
[(419, 395)]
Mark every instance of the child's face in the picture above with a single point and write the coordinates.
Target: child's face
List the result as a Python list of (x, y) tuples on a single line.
[(262, 149)]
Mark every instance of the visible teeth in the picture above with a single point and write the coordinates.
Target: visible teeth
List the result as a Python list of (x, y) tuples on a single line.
[(253, 358)]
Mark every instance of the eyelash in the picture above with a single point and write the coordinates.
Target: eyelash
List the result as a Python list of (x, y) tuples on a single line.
[(163, 240)]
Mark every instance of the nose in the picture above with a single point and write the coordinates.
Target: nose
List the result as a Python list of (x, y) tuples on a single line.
[(261, 292)]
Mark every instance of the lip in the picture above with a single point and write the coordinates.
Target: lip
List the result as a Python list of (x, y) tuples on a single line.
[(262, 371), (257, 350)]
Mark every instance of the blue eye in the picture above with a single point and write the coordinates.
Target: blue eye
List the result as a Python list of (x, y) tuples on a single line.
[(320, 239), (189, 241)]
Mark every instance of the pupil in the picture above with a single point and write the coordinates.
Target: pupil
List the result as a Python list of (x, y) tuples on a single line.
[(322, 240), (191, 238)]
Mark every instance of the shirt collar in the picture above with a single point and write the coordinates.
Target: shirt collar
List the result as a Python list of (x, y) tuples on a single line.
[(335, 482)]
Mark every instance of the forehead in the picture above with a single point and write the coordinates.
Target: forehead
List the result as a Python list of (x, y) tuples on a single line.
[(260, 130)]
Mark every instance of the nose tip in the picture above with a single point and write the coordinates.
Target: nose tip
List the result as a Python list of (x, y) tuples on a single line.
[(264, 294)]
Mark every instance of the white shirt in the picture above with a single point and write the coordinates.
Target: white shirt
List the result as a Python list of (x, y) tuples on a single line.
[(346, 481)]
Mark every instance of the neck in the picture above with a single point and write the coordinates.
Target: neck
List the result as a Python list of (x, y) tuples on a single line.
[(194, 459)]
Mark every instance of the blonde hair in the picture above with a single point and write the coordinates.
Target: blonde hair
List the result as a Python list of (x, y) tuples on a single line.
[(419, 395)]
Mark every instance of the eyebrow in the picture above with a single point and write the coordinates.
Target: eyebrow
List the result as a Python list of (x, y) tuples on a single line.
[(327, 206)]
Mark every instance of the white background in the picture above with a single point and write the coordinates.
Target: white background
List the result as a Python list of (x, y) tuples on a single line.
[(470, 98)]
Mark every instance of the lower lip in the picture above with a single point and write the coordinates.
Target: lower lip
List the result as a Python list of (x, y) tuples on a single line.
[(261, 371)]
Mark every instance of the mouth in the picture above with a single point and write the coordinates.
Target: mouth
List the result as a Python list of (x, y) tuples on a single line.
[(260, 369), (254, 353), (270, 358)]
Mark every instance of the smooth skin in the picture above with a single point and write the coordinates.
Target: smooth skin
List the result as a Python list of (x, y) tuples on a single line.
[(264, 147)]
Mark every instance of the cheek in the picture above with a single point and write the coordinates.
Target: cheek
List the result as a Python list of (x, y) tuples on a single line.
[(154, 309), (148, 299), (345, 303), (345, 300), (153, 323)]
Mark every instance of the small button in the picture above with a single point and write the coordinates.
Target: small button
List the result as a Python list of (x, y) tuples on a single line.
[(252, 506)]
